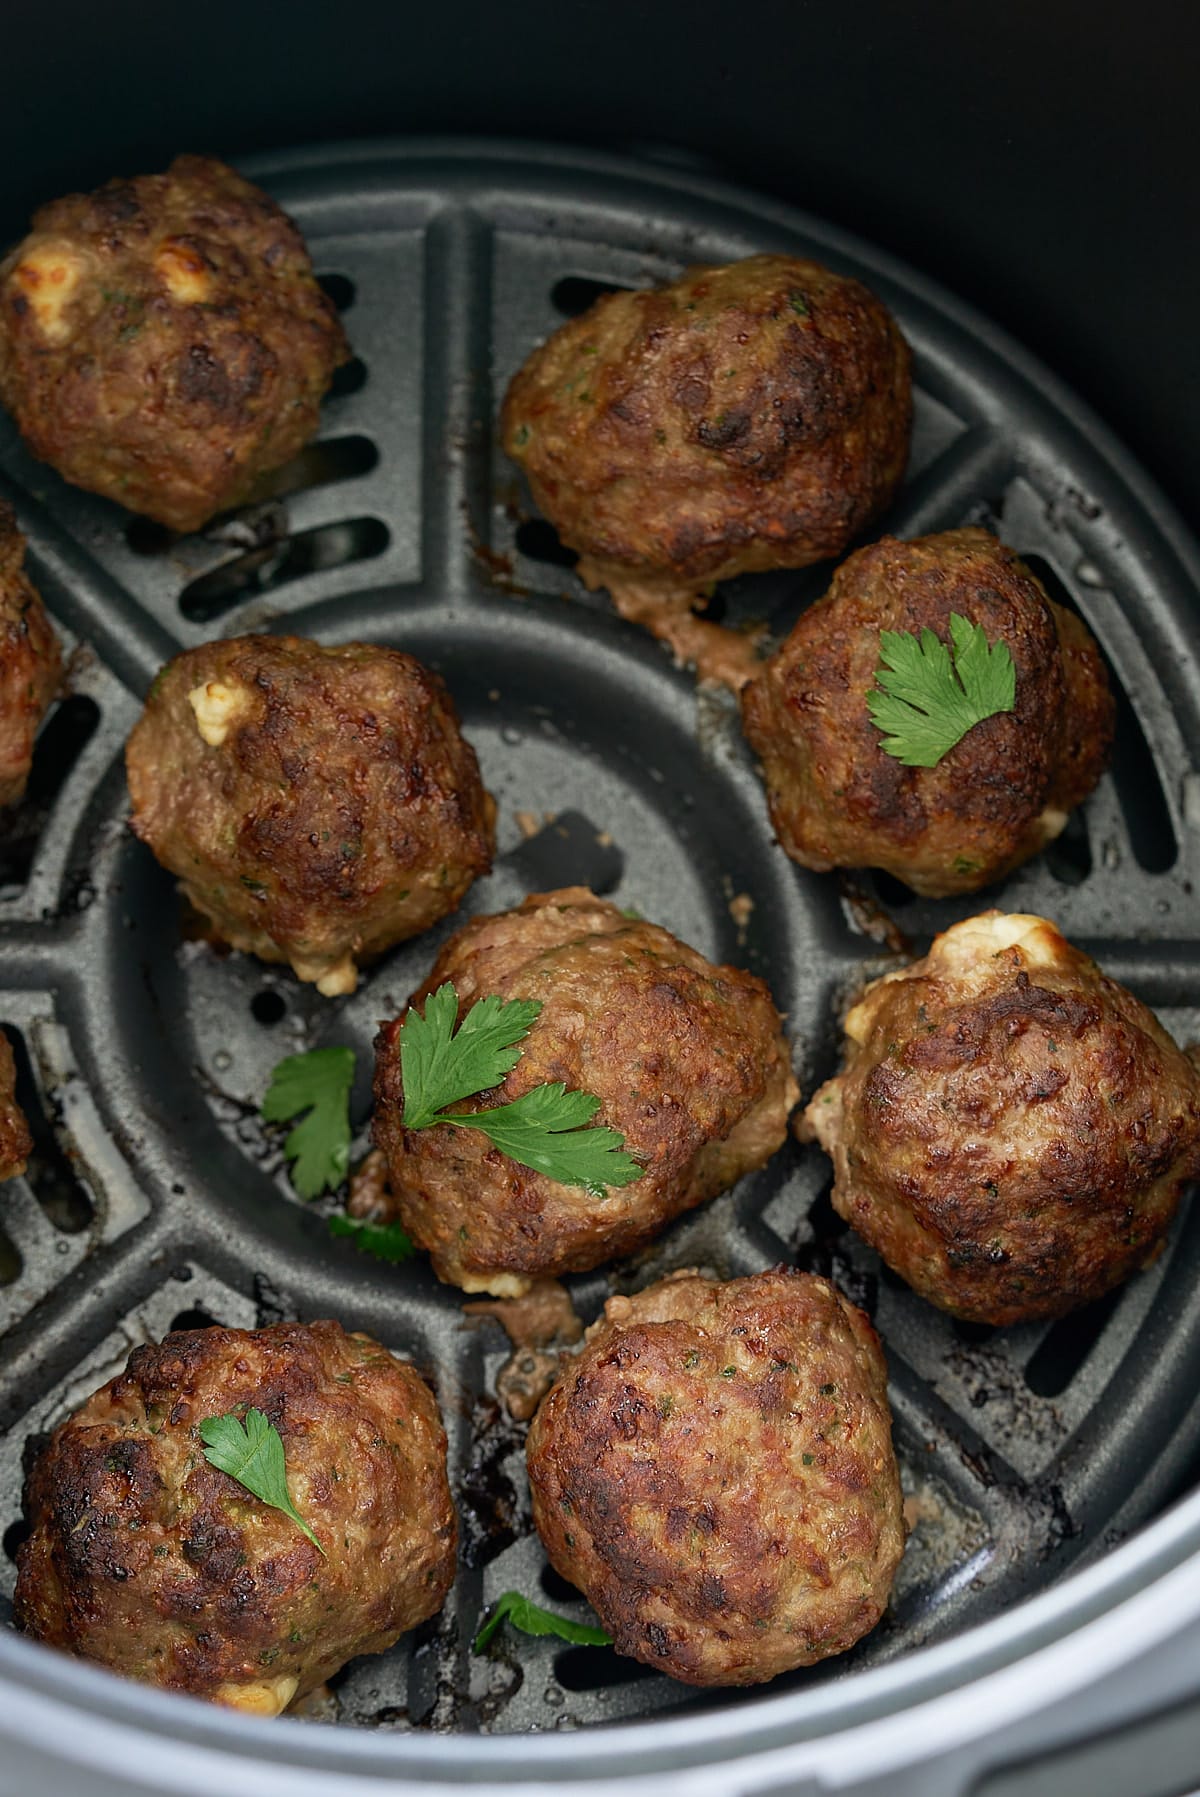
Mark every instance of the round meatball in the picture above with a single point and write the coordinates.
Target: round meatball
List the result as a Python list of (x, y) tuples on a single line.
[(146, 1558), (688, 1061), (746, 417), (163, 340), (318, 804), (30, 662), (715, 1472), (839, 799), (1011, 1130), (16, 1143)]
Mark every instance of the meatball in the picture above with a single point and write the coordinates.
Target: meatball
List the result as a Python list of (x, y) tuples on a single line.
[(30, 662), (715, 1472), (16, 1143), (839, 799), (746, 417), (163, 340), (688, 1061), (1011, 1130), (146, 1558), (318, 804)]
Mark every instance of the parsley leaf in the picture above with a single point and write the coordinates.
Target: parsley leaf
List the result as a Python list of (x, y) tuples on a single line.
[(531, 1619), (544, 1129), (318, 1082), (928, 704), (386, 1241), (253, 1455)]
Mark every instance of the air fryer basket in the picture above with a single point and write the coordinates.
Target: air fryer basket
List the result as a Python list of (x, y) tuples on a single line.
[(156, 1199)]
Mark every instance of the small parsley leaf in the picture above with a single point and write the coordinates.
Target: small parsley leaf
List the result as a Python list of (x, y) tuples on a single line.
[(929, 703), (545, 1129), (252, 1453), (386, 1241), (318, 1082), (531, 1619)]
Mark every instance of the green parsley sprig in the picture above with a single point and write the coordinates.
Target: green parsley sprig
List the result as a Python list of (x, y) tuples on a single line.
[(929, 703), (318, 1082), (531, 1619), (386, 1241), (252, 1453), (545, 1129)]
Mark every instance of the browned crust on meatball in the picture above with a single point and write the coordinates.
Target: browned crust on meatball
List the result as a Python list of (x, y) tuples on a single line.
[(146, 1558), (163, 341), (30, 661), (715, 1472), (16, 1143), (838, 799), (750, 416), (340, 812), (1011, 1129), (687, 1059)]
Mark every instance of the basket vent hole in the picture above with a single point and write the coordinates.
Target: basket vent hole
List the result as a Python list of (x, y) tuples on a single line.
[(266, 569), (1066, 1345), (537, 539), (975, 1333), (68, 731), (268, 1006), (892, 893), (573, 294), (1069, 856), (339, 288), (558, 1589), (597, 1669), (570, 851), (10, 1261), (350, 378), (193, 1319), (320, 464), (50, 1174), (16, 1533)]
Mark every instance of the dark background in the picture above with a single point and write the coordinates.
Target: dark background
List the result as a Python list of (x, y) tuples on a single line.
[(1039, 157)]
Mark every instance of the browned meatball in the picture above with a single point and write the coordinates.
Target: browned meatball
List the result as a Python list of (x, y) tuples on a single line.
[(146, 1558), (30, 661), (715, 1472), (1011, 1130), (163, 340), (319, 805), (839, 799), (16, 1143), (746, 417), (688, 1061)]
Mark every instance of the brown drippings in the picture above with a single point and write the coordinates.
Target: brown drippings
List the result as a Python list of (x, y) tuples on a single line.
[(370, 1195), (870, 919), (538, 1325), (727, 657)]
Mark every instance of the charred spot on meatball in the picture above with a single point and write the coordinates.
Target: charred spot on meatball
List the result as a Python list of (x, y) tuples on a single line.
[(839, 799), (745, 417), (30, 662), (1011, 1130), (687, 1059), (146, 1558), (164, 342), (715, 1472), (16, 1143), (318, 804)]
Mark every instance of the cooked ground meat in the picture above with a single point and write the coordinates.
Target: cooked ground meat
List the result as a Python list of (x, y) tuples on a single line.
[(318, 804), (30, 661), (1011, 1130), (715, 1472), (146, 1558), (746, 417), (16, 1143), (839, 799), (688, 1061), (163, 341)]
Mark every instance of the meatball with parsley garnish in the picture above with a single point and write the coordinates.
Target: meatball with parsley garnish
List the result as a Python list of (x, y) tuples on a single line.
[(16, 1143), (746, 417), (30, 662), (239, 1513), (1010, 1130), (935, 714), (318, 804), (715, 1472), (604, 1078), (163, 341)]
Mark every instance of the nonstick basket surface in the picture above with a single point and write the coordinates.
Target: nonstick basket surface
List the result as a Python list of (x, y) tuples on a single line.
[(156, 1199)]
